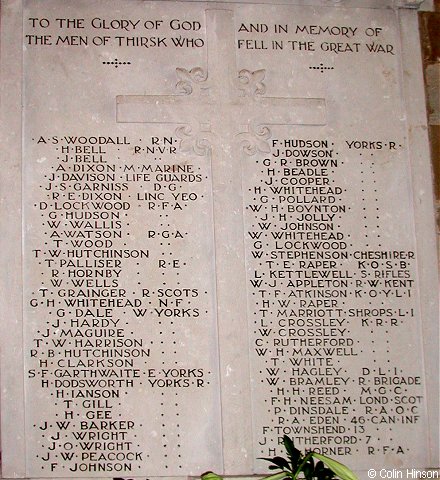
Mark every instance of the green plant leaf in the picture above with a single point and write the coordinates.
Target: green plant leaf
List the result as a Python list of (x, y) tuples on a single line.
[(323, 473), (294, 455), (288, 444), (340, 470), (277, 476), (308, 471), (280, 462), (211, 476), (292, 452)]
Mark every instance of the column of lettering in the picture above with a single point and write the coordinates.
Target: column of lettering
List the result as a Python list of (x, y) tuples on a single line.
[(84, 358), (115, 304), (171, 192), (329, 305), (389, 377), (299, 284)]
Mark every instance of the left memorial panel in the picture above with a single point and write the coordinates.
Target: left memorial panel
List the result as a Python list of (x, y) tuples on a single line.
[(119, 324)]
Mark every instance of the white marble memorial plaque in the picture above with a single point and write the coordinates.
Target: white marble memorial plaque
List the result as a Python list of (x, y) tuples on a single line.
[(226, 237)]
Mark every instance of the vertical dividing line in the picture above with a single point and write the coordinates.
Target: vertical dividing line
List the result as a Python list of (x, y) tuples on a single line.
[(230, 262)]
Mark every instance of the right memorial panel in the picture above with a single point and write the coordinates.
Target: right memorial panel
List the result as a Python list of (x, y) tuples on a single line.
[(336, 353)]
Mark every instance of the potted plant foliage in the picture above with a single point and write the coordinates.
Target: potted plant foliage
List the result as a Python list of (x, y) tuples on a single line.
[(299, 465)]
